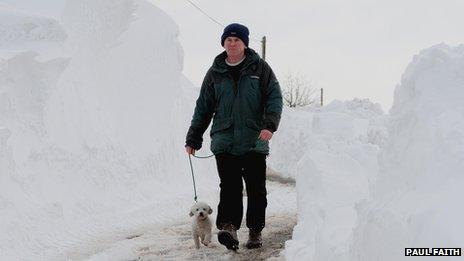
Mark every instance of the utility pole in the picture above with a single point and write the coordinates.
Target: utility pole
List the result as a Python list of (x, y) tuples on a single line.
[(322, 97), (263, 48)]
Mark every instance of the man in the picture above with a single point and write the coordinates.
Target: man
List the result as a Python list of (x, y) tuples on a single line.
[(242, 96)]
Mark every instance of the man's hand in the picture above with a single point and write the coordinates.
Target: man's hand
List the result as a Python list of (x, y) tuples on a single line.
[(265, 135), (190, 150)]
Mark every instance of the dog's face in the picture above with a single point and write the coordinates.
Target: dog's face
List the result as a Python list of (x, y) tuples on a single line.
[(200, 210)]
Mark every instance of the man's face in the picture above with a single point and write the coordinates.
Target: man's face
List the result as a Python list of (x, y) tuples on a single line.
[(234, 46)]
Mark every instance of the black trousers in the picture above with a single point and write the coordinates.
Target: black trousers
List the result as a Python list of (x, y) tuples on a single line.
[(252, 168)]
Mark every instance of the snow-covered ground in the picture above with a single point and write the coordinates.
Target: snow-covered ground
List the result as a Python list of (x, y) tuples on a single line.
[(173, 241), (93, 114)]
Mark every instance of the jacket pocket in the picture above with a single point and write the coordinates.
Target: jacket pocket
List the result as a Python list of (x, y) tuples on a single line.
[(255, 83), (253, 124), (222, 135), (220, 125), (252, 132), (256, 144)]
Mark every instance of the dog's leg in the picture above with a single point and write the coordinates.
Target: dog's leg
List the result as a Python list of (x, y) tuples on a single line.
[(197, 240), (207, 239)]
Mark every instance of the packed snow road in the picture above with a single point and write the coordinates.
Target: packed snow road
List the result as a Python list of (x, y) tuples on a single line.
[(174, 241)]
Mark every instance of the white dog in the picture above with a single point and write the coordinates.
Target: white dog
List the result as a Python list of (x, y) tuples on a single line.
[(201, 225)]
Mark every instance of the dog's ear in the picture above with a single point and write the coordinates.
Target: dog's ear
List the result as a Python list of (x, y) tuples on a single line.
[(191, 214), (210, 211)]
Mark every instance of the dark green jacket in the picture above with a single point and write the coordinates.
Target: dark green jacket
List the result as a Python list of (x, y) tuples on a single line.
[(239, 111)]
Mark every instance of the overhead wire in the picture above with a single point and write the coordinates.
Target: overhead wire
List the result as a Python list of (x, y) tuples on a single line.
[(214, 20), (206, 14)]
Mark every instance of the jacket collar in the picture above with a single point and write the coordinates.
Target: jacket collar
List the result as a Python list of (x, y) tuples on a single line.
[(219, 64)]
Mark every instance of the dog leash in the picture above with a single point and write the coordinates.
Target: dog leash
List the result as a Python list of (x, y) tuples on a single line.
[(203, 157), (193, 176)]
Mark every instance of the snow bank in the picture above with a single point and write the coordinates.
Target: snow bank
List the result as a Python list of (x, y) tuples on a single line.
[(337, 155), (18, 27), (310, 130), (22, 31), (92, 128), (417, 198), (366, 189)]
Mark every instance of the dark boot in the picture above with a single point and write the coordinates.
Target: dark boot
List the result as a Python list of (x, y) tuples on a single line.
[(254, 239), (228, 237)]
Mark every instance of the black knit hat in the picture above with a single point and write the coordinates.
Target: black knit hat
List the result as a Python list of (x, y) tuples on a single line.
[(236, 30)]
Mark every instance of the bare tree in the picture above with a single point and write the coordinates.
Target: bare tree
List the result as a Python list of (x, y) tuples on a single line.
[(297, 91)]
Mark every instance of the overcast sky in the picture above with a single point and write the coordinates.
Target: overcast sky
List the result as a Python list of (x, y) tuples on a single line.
[(356, 48)]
